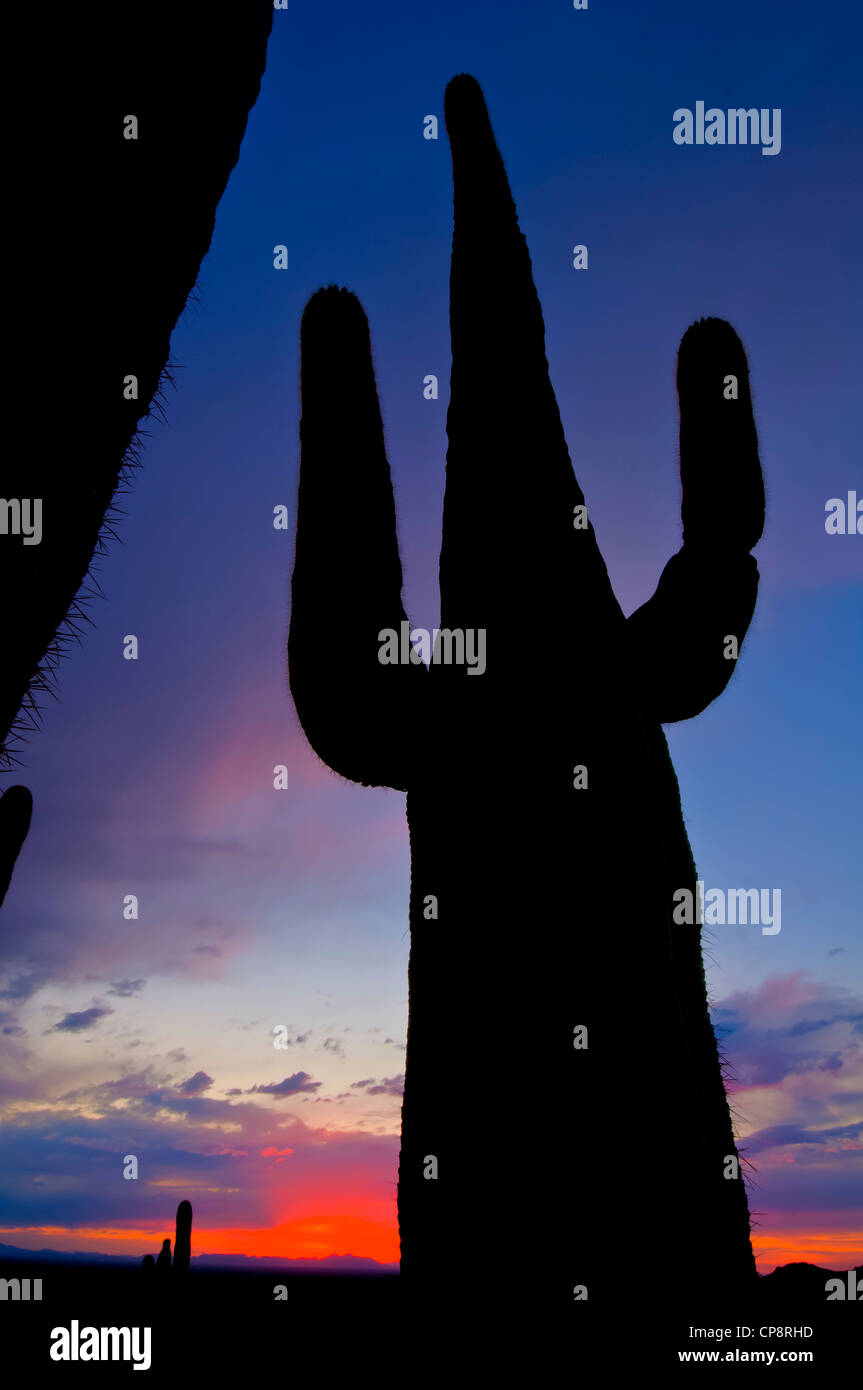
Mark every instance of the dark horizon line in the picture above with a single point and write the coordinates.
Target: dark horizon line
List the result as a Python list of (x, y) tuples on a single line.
[(47, 1256), (21, 1255)]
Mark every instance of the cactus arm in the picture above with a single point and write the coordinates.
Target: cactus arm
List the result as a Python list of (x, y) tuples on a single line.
[(362, 717), (707, 591), (16, 808)]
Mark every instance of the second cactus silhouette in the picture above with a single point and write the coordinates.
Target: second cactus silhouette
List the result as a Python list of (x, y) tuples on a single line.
[(169, 1274), (565, 1129)]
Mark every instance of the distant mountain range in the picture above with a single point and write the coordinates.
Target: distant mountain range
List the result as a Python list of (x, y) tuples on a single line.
[(330, 1264), (791, 1280)]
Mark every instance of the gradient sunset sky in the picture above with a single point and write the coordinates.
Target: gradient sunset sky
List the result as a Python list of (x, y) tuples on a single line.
[(261, 907)]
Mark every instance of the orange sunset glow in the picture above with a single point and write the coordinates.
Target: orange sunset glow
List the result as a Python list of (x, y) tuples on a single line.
[(830, 1249), (319, 1234), (313, 1236)]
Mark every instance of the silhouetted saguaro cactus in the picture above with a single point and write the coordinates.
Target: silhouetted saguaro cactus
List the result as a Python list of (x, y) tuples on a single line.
[(565, 1127), (183, 1240), (145, 209), (163, 1267)]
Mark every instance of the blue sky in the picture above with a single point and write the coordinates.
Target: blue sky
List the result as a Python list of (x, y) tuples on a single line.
[(260, 907)]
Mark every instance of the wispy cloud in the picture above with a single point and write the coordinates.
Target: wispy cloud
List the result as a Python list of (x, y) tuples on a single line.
[(290, 1086), (83, 1019)]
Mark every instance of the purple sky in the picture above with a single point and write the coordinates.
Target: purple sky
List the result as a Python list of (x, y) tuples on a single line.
[(154, 777)]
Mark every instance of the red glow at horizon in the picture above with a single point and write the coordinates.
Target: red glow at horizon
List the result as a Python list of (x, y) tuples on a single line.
[(832, 1250), (316, 1234), (311, 1236)]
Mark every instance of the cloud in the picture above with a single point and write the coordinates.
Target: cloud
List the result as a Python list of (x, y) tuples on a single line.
[(278, 1154), (131, 1086), (232, 1179), (78, 1022), (126, 989), (780, 1136), (291, 1038), (334, 1045), (795, 1053), (196, 1084), (290, 1086), (23, 987), (787, 1026), (148, 1093), (389, 1086)]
